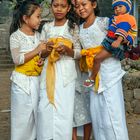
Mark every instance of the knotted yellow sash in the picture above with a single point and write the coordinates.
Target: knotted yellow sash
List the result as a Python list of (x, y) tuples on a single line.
[(87, 62), (50, 71), (30, 68)]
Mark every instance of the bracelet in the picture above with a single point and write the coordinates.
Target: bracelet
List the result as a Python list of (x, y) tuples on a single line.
[(42, 58)]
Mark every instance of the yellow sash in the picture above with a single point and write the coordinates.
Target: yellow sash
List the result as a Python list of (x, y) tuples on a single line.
[(30, 68), (50, 72), (87, 62)]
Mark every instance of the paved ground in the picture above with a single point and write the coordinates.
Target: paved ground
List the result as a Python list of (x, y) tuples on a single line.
[(133, 121)]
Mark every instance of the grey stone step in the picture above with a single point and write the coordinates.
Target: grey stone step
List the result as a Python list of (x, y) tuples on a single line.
[(6, 61), (3, 52), (6, 66), (4, 56), (2, 49)]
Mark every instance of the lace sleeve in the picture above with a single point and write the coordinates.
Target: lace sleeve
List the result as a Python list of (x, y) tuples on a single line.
[(18, 57), (76, 43), (103, 23)]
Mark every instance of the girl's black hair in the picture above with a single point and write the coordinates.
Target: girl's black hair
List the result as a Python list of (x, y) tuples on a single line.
[(96, 10), (27, 8), (71, 16)]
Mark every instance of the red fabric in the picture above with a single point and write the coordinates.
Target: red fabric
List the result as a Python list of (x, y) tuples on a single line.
[(134, 54), (111, 34)]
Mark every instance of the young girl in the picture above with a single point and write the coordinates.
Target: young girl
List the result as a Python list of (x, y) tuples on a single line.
[(81, 115), (106, 106), (25, 51), (120, 37), (57, 88)]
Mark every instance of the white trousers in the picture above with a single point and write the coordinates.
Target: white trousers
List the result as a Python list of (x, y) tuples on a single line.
[(108, 114), (24, 111)]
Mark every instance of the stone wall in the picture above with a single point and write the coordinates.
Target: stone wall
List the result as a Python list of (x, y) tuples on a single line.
[(5, 11), (4, 36), (105, 7), (131, 85)]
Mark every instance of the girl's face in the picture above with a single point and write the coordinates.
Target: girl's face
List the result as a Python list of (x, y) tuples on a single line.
[(60, 8), (120, 10), (85, 8), (34, 20)]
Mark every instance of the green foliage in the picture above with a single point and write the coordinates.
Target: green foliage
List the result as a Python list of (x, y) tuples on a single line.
[(14, 2)]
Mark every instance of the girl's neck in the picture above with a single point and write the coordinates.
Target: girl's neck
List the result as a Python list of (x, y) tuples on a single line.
[(61, 22), (89, 21), (27, 30)]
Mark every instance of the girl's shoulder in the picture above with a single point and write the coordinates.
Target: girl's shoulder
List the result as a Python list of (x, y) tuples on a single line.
[(47, 25), (16, 35), (103, 23), (102, 20)]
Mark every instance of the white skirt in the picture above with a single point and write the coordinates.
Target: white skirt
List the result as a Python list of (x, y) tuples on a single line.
[(108, 114), (24, 111), (56, 123)]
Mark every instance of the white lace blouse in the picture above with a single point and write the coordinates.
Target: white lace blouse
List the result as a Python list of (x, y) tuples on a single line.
[(110, 70), (67, 63), (20, 43), (49, 31)]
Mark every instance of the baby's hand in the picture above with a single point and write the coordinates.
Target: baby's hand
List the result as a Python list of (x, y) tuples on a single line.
[(115, 44)]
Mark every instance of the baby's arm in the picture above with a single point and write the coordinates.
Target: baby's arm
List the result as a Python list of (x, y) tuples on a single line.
[(117, 42)]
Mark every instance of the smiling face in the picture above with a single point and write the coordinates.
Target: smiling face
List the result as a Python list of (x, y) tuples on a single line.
[(120, 10), (60, 8), (85, 8)]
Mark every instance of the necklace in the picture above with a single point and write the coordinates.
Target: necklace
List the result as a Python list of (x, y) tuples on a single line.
[(32, 39)]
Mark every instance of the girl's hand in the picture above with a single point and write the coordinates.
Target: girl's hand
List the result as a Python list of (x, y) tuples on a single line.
[(41, 47), (49, 47), (47, 51), (62, 49)]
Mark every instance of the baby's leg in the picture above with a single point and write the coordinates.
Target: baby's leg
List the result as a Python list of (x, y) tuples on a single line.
[(100, 57)]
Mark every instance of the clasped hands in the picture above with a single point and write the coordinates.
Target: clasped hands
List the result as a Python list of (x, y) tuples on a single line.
[(61, 48), (49, 46)]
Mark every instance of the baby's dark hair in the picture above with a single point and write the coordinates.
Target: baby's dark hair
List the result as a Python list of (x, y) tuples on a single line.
[(70, 15), (27, 8)]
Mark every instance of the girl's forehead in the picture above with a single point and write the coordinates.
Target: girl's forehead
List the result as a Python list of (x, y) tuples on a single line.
[(80, 1), (60, 1)]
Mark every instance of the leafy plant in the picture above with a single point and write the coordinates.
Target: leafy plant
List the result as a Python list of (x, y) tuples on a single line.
[(15, 2)]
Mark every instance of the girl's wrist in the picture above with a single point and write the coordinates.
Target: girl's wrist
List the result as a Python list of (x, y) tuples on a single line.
[(37, 51), (69, 52)]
